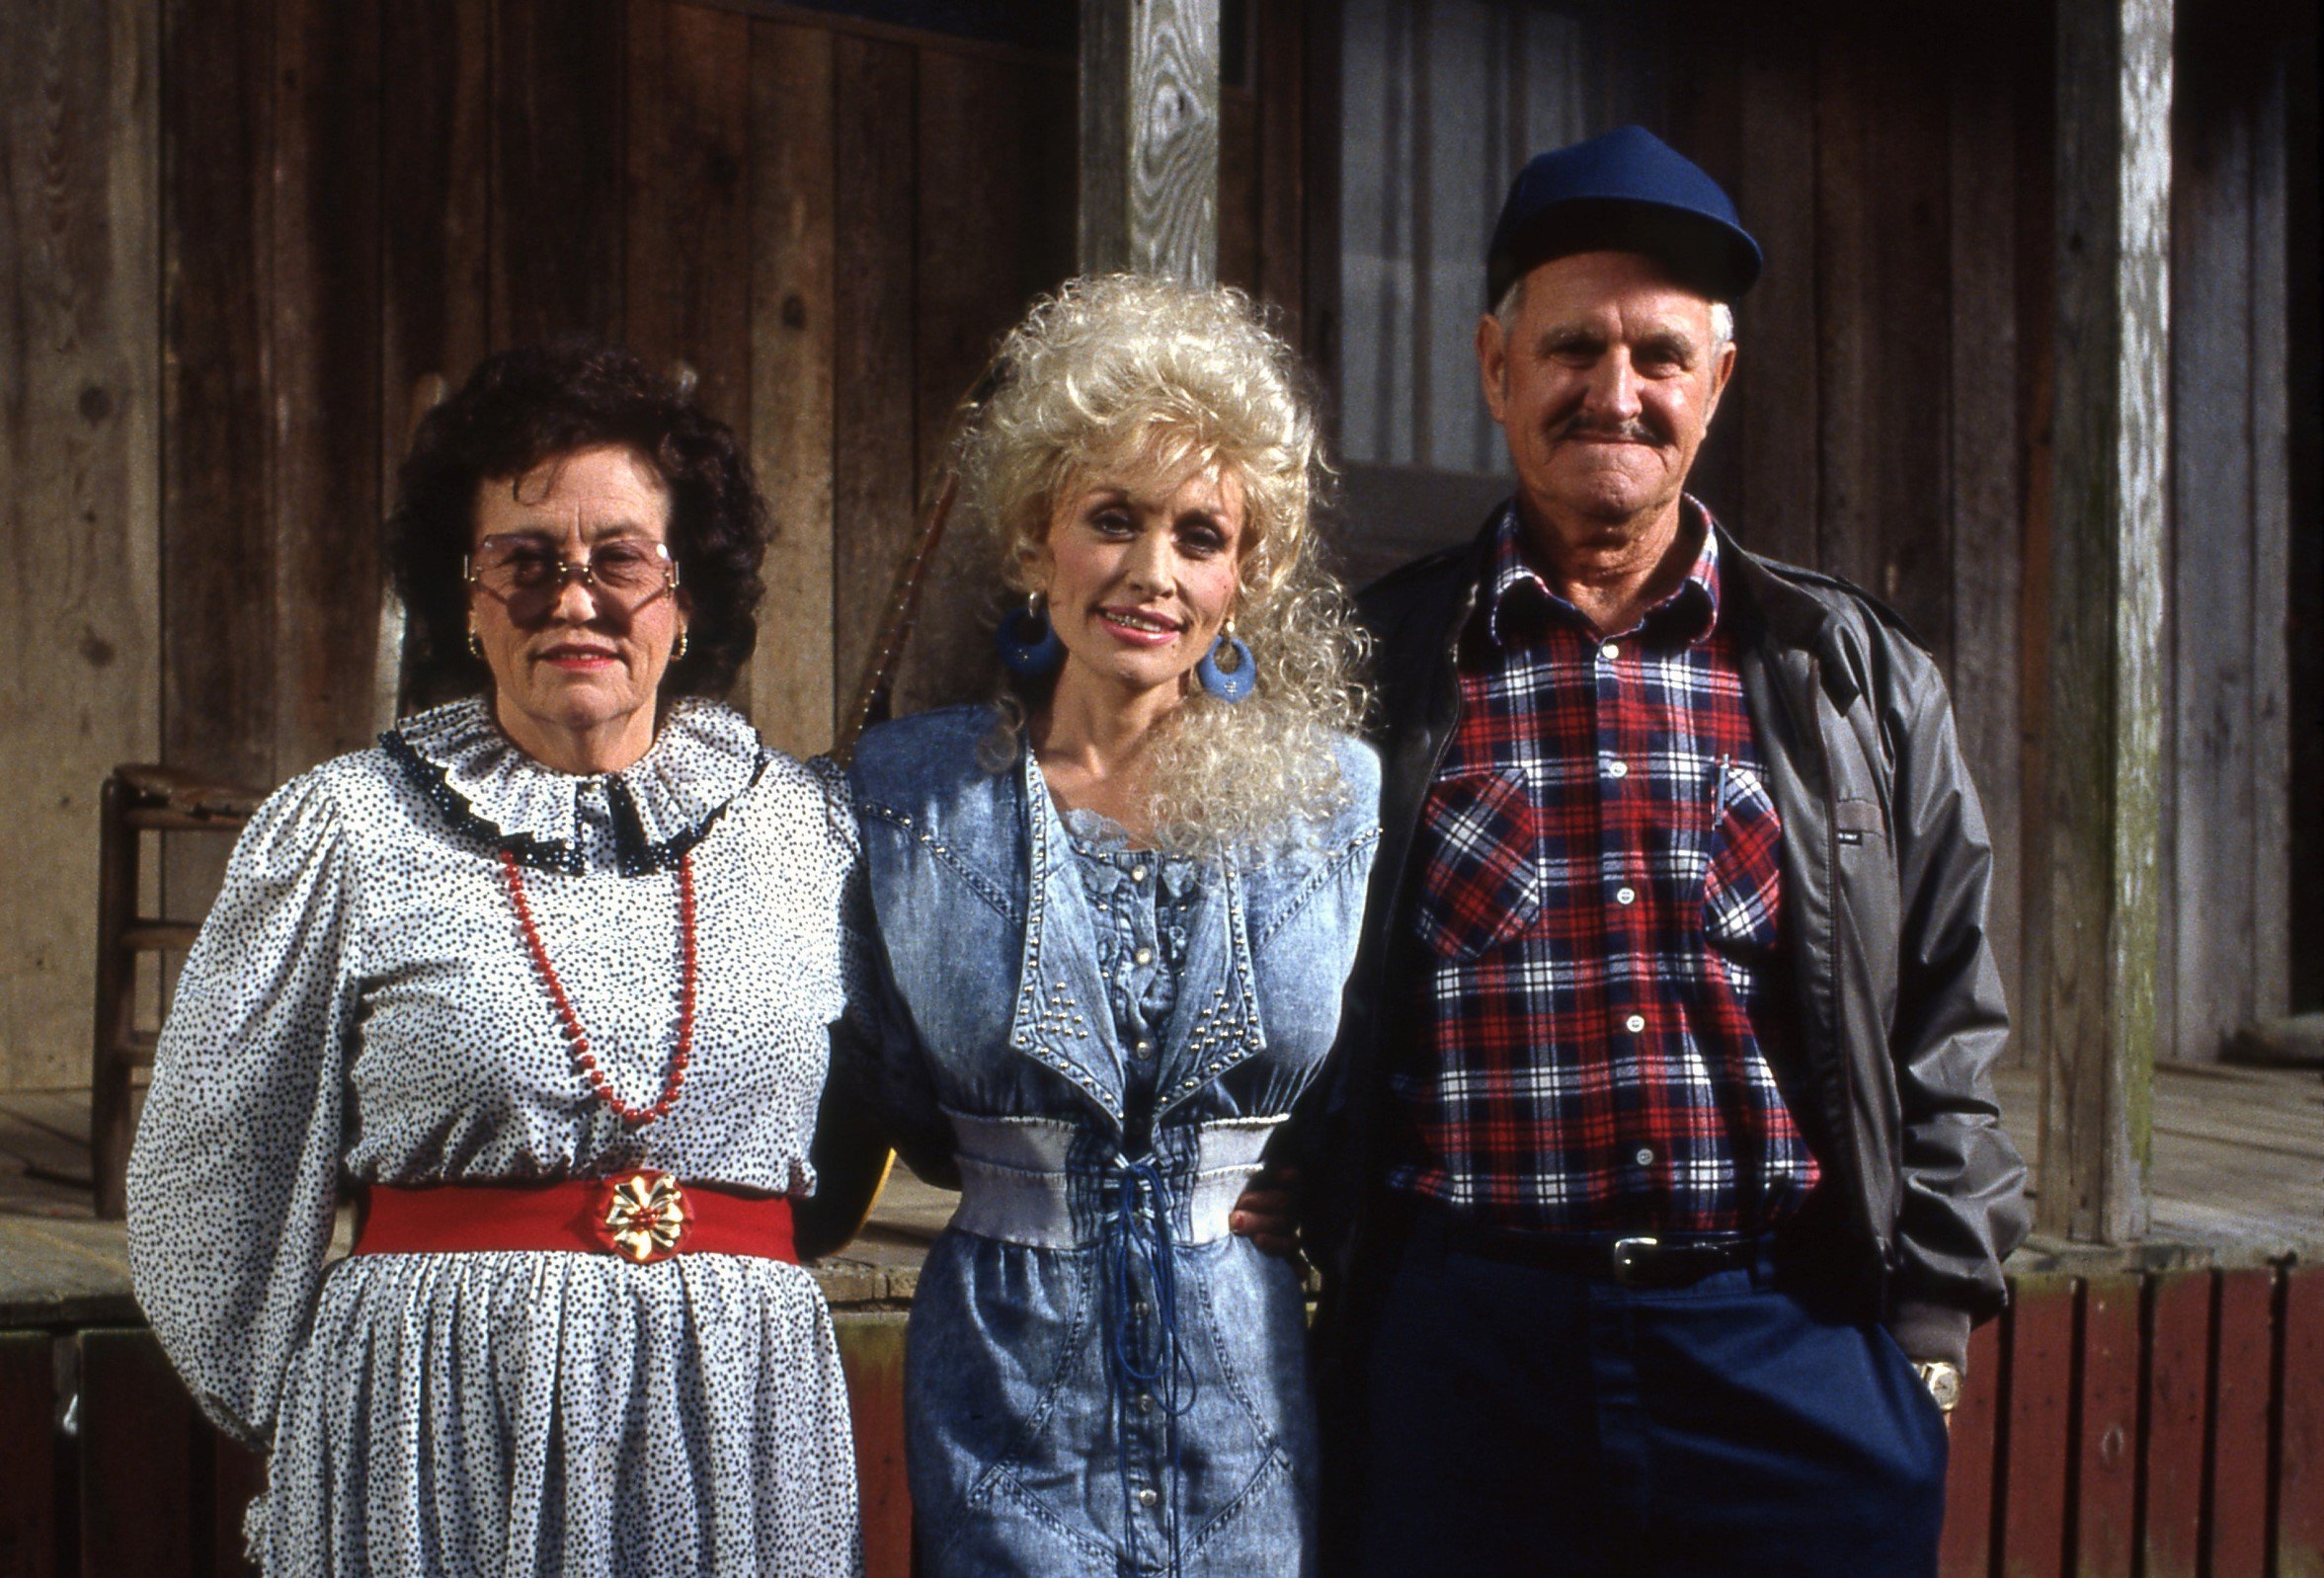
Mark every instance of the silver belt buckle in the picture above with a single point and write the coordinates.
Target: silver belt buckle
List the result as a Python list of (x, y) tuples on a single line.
[(1628, 1255)]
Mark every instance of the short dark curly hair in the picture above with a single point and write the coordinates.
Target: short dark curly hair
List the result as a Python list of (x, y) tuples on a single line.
[(534, 403)]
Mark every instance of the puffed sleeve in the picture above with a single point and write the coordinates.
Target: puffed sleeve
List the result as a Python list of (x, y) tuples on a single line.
[(851, 1151), (235, 1174)]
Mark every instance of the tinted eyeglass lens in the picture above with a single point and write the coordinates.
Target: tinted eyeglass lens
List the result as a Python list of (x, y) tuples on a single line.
[(530, 576)]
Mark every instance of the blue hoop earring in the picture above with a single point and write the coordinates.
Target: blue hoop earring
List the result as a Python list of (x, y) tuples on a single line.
[(1027, 642), (1229, 684)]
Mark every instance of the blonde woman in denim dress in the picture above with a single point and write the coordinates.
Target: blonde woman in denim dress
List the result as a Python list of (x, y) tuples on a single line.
[(1105, 926)]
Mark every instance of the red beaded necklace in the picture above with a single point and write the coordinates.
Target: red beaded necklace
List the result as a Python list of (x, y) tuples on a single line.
[(635, 1117)]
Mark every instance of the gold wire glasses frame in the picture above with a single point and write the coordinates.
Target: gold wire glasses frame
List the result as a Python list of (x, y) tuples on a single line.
[(622, 575)]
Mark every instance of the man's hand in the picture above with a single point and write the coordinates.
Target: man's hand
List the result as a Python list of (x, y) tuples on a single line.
[(1264, 1213)]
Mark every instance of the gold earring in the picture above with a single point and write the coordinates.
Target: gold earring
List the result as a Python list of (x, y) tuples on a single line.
[(475, 646), (678, 653)]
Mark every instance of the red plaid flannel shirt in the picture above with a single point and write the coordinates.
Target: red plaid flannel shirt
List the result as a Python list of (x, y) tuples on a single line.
[(1599, 893)]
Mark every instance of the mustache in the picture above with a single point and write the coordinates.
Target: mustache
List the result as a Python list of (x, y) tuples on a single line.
[(1582, 424)]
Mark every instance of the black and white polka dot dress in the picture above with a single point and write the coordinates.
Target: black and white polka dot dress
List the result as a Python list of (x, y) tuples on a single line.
[(361, 1009)]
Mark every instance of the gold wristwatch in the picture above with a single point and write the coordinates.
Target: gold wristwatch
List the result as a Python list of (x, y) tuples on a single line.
[(1943, 1379)]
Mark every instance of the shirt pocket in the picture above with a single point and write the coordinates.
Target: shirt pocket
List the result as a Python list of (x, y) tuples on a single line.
[(1742, 874), (1481, 884)]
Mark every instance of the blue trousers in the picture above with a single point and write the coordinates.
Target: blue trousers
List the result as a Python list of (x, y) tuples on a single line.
[(1514, 1419)]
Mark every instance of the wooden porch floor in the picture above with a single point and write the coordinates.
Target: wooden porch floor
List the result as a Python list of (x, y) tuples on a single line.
[(2239, 1179)]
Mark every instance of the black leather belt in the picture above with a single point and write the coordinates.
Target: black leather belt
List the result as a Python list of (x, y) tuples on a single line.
[(1639, 1260)]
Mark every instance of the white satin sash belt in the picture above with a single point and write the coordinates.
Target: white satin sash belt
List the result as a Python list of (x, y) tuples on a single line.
[(1013, 1182)]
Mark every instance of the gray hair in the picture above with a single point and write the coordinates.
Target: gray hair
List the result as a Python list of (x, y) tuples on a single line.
[(1722, 316)]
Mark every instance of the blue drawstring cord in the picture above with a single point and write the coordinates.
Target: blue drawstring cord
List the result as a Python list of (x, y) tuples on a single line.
[(1140, 1234)]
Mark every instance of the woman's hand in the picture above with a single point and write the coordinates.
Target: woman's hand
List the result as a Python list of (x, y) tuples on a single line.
[(1264, 1212)]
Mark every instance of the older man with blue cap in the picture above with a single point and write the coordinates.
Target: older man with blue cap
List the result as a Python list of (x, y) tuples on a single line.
[(1661, 1178)]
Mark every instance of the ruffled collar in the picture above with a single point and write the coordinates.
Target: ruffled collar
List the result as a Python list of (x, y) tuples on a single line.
[(661, 805)]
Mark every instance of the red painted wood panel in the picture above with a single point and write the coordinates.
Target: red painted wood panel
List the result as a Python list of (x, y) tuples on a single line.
[(871, 1351), (2105, 1503), (28, 1513), (136, 1460), (2245, 1350), (2040, 1414), (2299, 1471), (2178, 1403), (1967, 1547)]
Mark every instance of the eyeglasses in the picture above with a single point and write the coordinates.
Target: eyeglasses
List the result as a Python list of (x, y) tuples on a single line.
[(529, 576)]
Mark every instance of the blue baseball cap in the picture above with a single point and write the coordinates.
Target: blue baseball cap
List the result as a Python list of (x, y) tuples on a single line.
[(1627, 191)]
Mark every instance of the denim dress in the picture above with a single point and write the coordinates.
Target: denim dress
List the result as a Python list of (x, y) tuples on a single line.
[(1094, 1043)]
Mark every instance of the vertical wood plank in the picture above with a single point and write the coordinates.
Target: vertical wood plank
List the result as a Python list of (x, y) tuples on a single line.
[(2211, 389), (2041, 1333), (1322, 133), (1982, 477), (686, 270), (217, 548), (2300, 1472), (2236, 1539), (1150, 137), (1967, 1549), (2114, 173), (28, 1404), (2178, 1408), (2106, 1479), (2303, 336), (2271, 790), (137, 1430), (1705, 124), (874, 108), (1240, 191), (435, 201), (1778, 364), (322, 378), (977, 131), (871, 1351), (557, 241), (217, 542), (792, 301), (1846, 329), (2037, 412), (79, 476), (434, 238), (1882, 168), (1282, 158)]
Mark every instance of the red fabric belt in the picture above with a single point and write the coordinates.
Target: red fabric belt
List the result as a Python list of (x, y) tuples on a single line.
[(641, 1215)]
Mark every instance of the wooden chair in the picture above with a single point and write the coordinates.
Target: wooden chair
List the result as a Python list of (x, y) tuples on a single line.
[(137, 799)]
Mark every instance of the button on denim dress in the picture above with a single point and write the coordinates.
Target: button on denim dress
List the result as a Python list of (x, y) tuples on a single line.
[(1095, 1043)]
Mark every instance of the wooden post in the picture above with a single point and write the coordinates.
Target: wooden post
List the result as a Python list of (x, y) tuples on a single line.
[(1150, 137), (2114, 181)]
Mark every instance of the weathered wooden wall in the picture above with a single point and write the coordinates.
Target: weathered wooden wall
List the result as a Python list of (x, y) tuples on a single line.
[(1890, 420), (80, 428), (237, 236)]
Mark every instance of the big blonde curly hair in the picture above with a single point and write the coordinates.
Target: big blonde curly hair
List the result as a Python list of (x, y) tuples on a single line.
[(1125, 375)]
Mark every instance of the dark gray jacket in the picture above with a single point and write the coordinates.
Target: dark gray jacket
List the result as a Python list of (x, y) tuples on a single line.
[(1886, 868)]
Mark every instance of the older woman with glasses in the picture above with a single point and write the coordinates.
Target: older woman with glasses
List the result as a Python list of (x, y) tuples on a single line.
[(542, 983), (1109, 917)]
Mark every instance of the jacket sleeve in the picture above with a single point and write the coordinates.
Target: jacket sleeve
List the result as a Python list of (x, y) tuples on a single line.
[(1962, 1206), (233, 1178), (877, 1065)]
